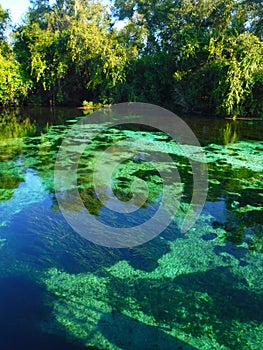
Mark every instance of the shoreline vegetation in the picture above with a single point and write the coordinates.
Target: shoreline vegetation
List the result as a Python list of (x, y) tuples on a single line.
[(191, 57)]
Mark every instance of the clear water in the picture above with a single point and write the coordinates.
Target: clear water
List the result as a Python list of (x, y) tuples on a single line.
[(198, 290)]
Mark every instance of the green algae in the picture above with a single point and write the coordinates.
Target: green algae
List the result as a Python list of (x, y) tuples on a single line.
[(187, 296), (203, 292), (10, 178), (185, 313), (248, 208), (243, 154)]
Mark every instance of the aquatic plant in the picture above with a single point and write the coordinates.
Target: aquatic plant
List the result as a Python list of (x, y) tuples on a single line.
[(201, 290), (183, 297)]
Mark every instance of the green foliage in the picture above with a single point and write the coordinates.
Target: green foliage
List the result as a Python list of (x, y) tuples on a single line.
[(4, 22), (216, 55), (42, 54), (151, 80), (13, 83), (71, 44), (240, 63), (88, 104), (91, 105), (195, 56)]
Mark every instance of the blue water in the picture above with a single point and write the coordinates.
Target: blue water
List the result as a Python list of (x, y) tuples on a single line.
[(199, 290)]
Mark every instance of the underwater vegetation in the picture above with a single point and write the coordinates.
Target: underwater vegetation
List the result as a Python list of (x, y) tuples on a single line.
[(198, 290), (196, 298)]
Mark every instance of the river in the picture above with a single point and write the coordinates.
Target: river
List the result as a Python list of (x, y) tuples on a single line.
[(199, 289)]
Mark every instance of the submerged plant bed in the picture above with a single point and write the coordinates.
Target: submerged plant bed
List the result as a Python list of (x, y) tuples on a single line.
[(196, 290)]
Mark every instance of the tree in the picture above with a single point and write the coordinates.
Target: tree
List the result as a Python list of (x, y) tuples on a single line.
[(71, 48), (254, 11), (13, 83), (216, 47), (98, 56), (240, 63), (4, 22)]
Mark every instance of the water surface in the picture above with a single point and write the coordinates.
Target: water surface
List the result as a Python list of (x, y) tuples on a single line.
[(198, 290)]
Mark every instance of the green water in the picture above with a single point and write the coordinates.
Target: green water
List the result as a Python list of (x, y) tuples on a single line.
[(199, 290)]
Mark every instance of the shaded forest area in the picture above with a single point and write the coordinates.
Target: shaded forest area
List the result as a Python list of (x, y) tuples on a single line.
[(201, 56)]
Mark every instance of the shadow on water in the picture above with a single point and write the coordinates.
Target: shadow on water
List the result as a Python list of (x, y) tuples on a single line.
[(22, 312), (198, 303), (137, 335)]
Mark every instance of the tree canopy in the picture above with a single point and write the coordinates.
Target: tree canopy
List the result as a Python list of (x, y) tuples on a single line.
[(188, 55), (14, 84)]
